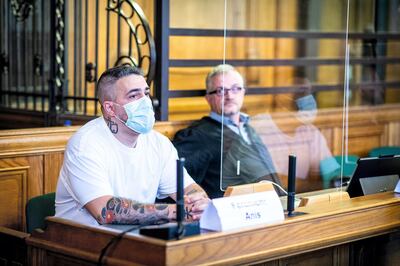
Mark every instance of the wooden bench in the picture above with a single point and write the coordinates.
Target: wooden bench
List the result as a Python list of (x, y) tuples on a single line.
[(13, 247), (30, 159)]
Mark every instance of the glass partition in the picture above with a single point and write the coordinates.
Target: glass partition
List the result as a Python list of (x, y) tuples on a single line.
[(286, 83), (320, 80), (314, 78), (371, 127)]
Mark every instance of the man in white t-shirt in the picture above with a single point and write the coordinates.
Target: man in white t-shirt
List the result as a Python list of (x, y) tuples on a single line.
[(115, 166)]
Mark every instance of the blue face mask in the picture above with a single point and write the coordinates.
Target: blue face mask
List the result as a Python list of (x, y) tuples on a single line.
[(306, 103), (140, 115), (307, 109)]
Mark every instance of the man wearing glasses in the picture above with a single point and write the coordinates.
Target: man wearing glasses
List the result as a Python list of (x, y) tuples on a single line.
[(245, 159)]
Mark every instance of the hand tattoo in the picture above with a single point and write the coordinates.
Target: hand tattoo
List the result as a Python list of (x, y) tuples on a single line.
[(188, 214)]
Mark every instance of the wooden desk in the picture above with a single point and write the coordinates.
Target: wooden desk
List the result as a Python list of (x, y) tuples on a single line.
[(330, 234)]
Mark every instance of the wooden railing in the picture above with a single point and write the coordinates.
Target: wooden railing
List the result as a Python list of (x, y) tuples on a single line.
[(30, 159)]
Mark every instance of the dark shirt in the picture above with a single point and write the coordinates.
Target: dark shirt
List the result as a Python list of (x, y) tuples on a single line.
[(200, 144)]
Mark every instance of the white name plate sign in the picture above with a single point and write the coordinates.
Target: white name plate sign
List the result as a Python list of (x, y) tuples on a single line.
[(236, 212)]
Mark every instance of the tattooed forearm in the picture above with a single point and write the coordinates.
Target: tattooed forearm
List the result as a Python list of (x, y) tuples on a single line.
[(112, 125), (125, 211)]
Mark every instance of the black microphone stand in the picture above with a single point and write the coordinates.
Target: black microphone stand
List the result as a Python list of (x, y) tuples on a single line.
[(291, 193), (180, 202), (181, 228), (291, 184)]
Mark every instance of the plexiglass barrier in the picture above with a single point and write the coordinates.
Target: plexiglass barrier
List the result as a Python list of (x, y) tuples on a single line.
[(318, 79), (329, 99)]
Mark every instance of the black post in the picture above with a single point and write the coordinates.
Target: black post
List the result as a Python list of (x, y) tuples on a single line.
[(379, 50), (181, 229), (161, 29), (291, 184), (57, 67), (180, 204), (52, 111)]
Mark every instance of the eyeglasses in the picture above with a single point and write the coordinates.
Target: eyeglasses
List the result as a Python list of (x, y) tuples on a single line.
[(221, 90)]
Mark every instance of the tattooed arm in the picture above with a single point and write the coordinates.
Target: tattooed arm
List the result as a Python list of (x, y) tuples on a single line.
[(117, 210)]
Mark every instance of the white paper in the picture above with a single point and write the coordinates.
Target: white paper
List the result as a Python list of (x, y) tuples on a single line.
[(244, 210)]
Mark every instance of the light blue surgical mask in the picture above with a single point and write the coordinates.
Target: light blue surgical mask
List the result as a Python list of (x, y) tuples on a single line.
[(140, 115), (306, 103), (307, 109)]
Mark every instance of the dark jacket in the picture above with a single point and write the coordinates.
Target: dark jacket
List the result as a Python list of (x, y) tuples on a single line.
[(200, 144)]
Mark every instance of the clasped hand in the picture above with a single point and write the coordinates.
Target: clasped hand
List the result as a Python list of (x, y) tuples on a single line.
[(195, 204)]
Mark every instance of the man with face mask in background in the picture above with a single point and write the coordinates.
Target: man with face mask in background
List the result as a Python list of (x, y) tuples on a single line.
[(306, 140), (116, 165), (244, 157)]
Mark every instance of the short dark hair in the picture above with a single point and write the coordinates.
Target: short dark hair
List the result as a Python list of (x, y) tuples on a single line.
[(110, 77), (303, 85)]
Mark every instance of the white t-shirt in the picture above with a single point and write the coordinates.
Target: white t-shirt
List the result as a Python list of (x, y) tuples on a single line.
[(96, 164)]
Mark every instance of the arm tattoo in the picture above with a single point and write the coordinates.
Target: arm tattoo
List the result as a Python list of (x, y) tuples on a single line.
[(125, 211), (112, 125)]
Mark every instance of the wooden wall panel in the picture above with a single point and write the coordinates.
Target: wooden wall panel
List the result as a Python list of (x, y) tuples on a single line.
[(52, 166), (361, 139), (21, 178), (35, 175), (316, 258), (393, 134), (13, 183)]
